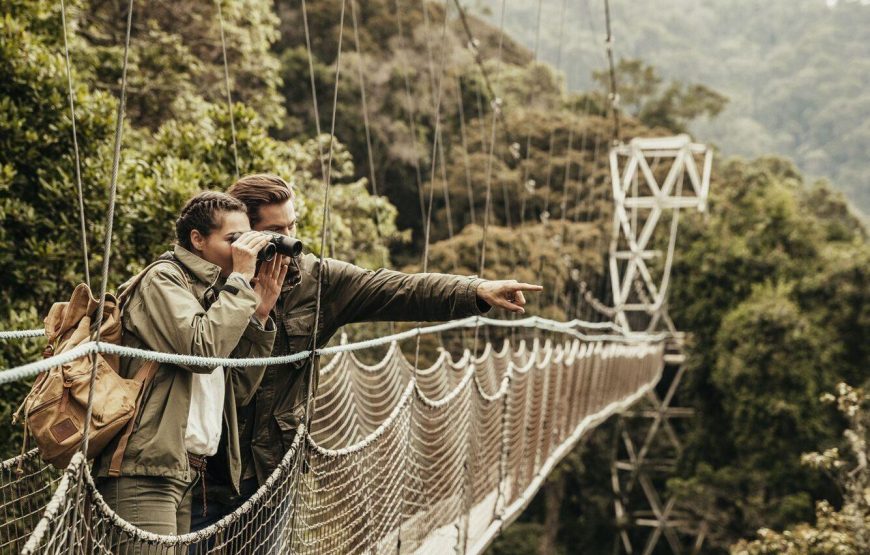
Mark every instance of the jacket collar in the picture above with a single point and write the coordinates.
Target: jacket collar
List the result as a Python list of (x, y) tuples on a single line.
[(202, 269)]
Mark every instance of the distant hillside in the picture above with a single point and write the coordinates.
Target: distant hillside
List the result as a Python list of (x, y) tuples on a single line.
[(795, 71)]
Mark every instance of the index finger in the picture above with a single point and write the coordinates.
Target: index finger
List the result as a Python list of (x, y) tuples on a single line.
[(246, 238), (258, 242), (525, 287)]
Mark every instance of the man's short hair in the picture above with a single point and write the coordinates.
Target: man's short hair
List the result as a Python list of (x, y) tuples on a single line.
[(203, 213), (258, 190)]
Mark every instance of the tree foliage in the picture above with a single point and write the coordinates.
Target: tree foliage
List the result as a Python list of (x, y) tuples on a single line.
[(674, 107), (845, 531), (160, 168), (761, 282), (791, 69)]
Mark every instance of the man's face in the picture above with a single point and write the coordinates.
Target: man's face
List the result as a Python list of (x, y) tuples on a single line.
[(280, 218)]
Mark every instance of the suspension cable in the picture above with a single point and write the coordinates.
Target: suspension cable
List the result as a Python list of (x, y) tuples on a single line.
[(613, 107), (367, 125), (545, 213), (437, 137), (72, 114), (464, 138), (436, 140), (412, 118), (327, 181), (496, 108), (614, 92), (227, 85), (110, 220), (527, 185), (326, 173)]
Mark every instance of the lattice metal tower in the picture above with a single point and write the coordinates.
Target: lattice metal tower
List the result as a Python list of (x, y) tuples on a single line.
[(649, 177)]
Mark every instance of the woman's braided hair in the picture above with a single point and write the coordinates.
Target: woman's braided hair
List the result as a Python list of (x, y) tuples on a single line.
[(203, 213)]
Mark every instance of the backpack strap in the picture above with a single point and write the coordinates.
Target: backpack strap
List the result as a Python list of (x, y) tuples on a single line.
[(134, 282), (146, 372)]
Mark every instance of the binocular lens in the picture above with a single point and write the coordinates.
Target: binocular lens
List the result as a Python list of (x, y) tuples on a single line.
[(278, 244), (288, 246), (267, 253)]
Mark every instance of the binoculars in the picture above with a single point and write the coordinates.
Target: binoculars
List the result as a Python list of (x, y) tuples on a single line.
[(278, 244)]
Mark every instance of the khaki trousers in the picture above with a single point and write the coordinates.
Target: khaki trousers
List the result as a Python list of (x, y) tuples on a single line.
[(156, 504)]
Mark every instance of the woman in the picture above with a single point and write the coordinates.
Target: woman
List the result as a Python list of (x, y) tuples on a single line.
[(200, 302)]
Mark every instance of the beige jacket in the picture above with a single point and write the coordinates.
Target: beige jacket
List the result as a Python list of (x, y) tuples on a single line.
[(185, 307)]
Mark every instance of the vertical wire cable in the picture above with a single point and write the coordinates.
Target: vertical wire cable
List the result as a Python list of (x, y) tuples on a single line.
[(412, 118), (227, 85), (110, 219), (525, 180), (435, 151), (437, 137), (367, 125), (327, 181), (614, 92), (325, 165), (613, 105), (496, 108), (464, 138), (544, 216), (72, 113), (369, 149)]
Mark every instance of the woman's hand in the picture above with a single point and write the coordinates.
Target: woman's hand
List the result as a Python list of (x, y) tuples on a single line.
[(267, 286), (245, 250), (506, 294)]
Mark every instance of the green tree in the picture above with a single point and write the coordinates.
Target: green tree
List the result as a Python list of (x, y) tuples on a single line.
[(771, 293), (673, 108), (176, 55), (160, 169), (845, 531)]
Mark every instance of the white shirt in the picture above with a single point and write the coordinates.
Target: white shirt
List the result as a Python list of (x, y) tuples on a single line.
[(206, 415)]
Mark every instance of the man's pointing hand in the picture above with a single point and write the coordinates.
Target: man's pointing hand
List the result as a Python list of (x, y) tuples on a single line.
[(506, 294)]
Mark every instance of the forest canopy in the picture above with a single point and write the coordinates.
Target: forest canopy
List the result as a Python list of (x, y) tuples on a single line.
[(794, 71)]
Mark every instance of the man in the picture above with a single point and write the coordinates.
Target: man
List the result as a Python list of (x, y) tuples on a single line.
[(349, 294)]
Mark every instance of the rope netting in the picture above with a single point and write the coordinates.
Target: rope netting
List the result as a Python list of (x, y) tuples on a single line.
[(398, 459)]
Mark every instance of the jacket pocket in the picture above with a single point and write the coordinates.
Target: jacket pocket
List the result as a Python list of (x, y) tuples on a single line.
[(288, 422), (299, 326)]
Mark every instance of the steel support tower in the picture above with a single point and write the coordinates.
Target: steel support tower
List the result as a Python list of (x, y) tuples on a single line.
[(653, 179)]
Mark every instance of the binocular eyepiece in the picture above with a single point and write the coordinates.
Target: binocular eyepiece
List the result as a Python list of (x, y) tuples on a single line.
[(278, 244)]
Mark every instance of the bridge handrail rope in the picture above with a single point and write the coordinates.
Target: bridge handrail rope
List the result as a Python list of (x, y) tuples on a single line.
[(30, 370), (577, 323)]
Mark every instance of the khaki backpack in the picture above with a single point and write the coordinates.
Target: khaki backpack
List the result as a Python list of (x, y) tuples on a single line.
[(55, 409)]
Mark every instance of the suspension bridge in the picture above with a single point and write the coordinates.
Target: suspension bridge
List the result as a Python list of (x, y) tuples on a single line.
[(394, 457)]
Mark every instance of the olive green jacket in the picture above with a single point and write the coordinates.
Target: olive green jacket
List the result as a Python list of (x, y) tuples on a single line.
[(350, 294), (166, 313)]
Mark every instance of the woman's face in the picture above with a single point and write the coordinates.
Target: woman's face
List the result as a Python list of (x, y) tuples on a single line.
[(215, 247)]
